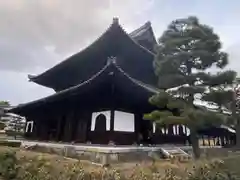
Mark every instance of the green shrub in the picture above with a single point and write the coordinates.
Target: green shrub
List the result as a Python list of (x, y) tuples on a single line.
[(8, 165), (10, 143)]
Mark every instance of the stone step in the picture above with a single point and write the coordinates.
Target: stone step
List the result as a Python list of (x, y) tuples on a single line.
[(173, 151)]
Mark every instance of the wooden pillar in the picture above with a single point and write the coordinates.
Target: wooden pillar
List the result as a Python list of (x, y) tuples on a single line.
[(88, 116), (35, 129), (59, 125), (112, 125), (113, 95), (137, 121), (65, 127), (203, 141), (66, 130), (68, 127), (80, 129), (209, 141), (62, 127), (73, 125), (170, 130), (45, 130), (41, 130)]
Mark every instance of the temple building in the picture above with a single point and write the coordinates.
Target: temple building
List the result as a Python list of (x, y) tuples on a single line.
[(101, 93)]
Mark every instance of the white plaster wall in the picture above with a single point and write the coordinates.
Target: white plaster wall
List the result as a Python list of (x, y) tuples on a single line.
[(95, 114), (124, 121)]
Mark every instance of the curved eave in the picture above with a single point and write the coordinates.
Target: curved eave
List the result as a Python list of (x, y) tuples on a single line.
[(39, 79), (48, 78), (72, 91)]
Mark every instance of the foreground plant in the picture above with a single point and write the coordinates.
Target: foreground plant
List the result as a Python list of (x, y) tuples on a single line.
[(8, 165), (40, 168)]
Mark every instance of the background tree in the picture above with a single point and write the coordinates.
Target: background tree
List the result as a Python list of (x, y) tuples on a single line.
[(11, 123), (184, 53), (2, 125), (4, 103)]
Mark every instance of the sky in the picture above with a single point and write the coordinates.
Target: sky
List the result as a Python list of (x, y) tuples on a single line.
[(37, 34)]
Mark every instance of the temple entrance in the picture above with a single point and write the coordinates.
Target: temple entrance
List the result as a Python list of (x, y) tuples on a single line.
[(100, 123), (99, 133)]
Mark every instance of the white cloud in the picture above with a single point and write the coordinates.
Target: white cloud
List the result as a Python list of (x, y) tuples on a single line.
[(28, 27), (37, 34)]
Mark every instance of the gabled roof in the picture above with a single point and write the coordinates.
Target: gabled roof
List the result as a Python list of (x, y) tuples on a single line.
[(97, 78), (135, 60), (144, 35)]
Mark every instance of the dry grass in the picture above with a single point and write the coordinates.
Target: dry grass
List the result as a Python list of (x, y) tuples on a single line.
[(57, 161), (61, 162)]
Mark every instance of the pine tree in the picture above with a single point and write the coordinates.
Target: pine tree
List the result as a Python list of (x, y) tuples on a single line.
[(184, 53)]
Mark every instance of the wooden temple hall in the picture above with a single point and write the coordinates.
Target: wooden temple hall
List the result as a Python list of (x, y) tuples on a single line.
[(101, 94)]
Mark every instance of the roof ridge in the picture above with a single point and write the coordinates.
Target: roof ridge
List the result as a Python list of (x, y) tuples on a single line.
[(139, 45), (147, 25)]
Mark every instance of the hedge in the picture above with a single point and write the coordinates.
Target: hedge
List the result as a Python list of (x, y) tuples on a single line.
[(10, 143)]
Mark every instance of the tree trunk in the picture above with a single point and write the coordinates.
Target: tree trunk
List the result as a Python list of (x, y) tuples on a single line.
[(238, 135), (235, 116), (195, 145)]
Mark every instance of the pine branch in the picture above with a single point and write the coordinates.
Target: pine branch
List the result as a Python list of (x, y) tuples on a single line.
[(220, 97), (221, 78), (172, 120)]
